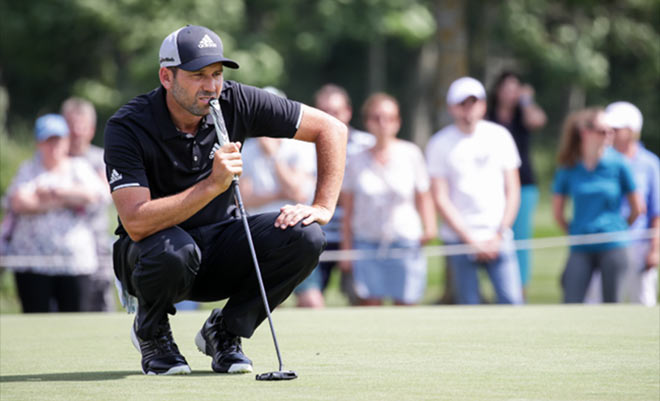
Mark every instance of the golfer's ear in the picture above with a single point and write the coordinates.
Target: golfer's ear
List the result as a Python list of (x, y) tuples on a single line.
[(166, 77)]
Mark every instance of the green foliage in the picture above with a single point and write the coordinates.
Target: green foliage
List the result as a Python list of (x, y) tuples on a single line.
[(108, 51), (562, 38), (610, 49), (13, 151)]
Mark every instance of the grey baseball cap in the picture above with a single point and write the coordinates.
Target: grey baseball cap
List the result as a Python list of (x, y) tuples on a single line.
[(192, 48)]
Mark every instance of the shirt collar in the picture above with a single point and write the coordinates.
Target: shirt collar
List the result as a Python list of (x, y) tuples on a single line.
[(166, 128)]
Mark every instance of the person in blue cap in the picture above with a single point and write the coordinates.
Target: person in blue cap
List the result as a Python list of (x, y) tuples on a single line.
[(49, 199), (179, 235)]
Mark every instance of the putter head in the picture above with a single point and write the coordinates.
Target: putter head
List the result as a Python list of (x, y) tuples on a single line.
[(278, 375)]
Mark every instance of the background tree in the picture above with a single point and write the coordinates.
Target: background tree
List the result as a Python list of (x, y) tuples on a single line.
[(587, 53), (573, 52)]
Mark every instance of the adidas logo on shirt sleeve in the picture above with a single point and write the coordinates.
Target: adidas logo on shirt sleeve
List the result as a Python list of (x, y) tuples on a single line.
[(115, 176)]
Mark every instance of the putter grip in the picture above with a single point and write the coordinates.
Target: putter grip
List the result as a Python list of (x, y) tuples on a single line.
[(219, 122)]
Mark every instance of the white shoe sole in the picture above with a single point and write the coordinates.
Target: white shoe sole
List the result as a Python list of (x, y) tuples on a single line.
[(175, 370), (235, 368)]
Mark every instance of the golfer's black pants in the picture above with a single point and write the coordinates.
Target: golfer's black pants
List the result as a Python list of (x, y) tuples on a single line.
[(214, 262)]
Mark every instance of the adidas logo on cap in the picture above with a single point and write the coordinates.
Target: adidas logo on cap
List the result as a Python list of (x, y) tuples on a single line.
[(192, 48), (206, 42)]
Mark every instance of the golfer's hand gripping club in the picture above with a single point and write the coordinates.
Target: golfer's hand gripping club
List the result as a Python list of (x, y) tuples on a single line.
[(220, 127)]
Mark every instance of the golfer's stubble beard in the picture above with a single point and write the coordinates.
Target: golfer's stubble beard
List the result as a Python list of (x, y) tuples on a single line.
[(190, 104)]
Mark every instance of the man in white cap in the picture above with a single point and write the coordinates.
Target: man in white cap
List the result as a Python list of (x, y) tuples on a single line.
[(473, 165), (179, 235), (641, 278)]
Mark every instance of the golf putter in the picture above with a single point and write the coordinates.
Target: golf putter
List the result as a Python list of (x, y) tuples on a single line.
[(223, 138)]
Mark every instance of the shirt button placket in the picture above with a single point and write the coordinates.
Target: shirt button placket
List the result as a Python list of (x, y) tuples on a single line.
[(196, 155)]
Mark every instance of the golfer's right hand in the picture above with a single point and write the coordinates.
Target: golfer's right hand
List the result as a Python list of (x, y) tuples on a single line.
[(227, 163)]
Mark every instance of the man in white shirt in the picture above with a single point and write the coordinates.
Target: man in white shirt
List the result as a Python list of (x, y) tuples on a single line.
[(473, 165)]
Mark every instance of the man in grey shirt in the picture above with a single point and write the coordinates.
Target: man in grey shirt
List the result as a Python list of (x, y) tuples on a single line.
[(80, 115)]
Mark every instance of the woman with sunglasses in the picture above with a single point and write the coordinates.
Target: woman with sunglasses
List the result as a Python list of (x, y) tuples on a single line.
[(596, 179)]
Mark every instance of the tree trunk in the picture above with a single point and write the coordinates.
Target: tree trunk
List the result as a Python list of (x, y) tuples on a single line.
[(422, 99), (439, 63), (577, 98), (451, 40), (377, 66)]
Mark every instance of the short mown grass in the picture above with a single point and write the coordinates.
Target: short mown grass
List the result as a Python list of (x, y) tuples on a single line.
[(489, 352)]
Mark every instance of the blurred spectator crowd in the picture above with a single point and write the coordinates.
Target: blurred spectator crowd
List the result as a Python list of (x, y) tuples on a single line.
[(475, 177)]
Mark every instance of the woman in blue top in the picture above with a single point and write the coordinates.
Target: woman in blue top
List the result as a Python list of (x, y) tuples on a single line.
[(596, 178)]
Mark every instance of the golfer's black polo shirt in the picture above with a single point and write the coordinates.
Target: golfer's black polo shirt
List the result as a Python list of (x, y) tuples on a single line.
[(143, 147)]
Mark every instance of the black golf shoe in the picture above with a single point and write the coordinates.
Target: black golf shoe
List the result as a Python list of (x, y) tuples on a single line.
[(225, 348), (160, 355)]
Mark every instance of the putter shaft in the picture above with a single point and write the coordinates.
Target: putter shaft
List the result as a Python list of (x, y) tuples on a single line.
[(241, 208), (223, 138)]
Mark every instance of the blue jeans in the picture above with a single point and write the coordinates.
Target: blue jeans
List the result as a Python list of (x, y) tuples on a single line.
[(503, 272), (402, 279)]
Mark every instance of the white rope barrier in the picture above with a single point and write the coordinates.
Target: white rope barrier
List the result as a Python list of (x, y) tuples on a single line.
[(460, 249), (42, 260), (392, 253)]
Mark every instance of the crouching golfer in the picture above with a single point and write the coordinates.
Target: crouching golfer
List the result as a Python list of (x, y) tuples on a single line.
[(179, 235)]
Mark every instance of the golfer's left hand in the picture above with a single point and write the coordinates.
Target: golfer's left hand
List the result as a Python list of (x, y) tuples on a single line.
[(290, 215)]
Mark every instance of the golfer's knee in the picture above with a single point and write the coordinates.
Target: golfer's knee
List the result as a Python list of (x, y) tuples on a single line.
[(169, 265), (180, 261), (311, 239)]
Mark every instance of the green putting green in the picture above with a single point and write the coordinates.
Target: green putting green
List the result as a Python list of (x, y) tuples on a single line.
[(409, 353)]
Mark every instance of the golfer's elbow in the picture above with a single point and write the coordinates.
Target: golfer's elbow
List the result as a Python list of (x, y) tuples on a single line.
[(341, 133), (332, 131), (136, 231), (138, 227), (343, 130), (334, 139)]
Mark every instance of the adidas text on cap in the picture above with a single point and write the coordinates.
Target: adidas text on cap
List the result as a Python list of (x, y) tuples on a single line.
[(192, 48)]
